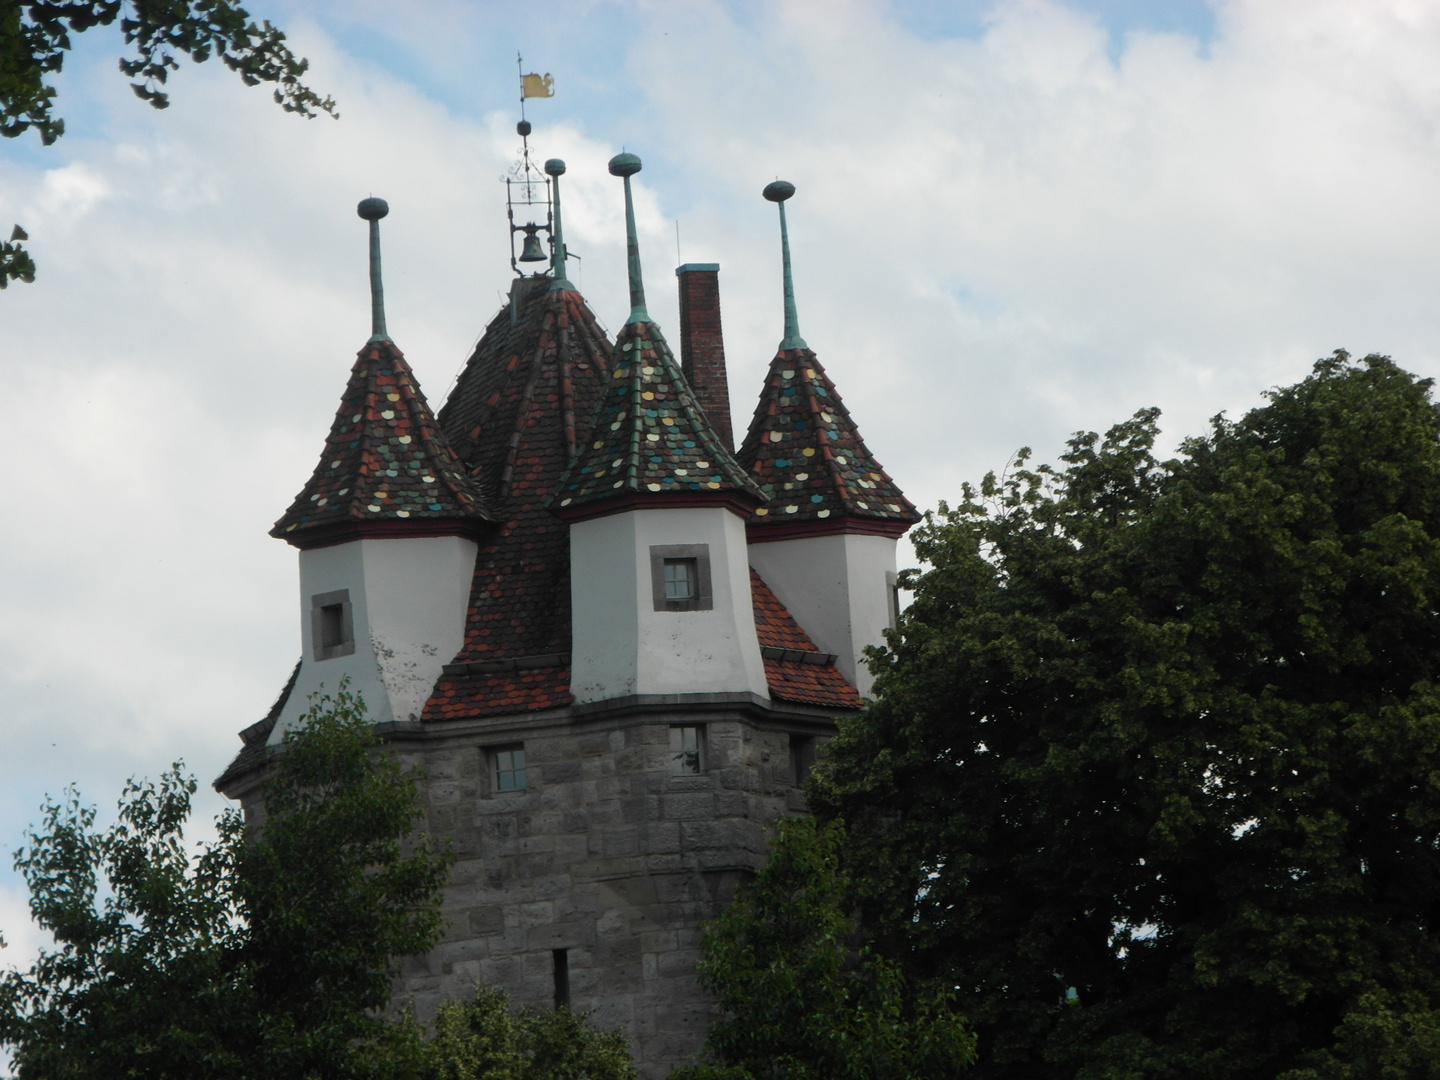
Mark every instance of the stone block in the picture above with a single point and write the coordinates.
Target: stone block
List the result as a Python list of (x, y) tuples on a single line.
[(486, 921), (690, 805)]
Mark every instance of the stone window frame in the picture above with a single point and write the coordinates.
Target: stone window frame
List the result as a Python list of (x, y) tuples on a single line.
[(492, 769), (700, 751), (892, 591), (320, 603), (704, 599)]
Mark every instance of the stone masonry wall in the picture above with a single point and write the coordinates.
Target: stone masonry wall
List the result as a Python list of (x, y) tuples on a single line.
[(606, 855)]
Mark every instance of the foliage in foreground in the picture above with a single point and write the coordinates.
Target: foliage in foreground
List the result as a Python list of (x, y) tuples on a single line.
[(801, 1001), (481, 1039), (270, 954), (35, 35), (1154, 779)]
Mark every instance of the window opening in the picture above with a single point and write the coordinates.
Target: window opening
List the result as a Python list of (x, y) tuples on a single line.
[(685, 750), (680, 579), (332, 624), (802, 758), (893, 589), (560, 963), (509, 769)]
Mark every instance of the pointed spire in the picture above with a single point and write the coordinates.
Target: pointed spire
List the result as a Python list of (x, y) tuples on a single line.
[(627, 165), (372, 210), (649, 439), (805, 452), (555, 168), (386, 469), (777, 193)]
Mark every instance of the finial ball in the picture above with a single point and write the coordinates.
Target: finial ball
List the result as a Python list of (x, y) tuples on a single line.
[(779, 191), (554, 167), (624, 165), (372, 209), (523, 128)]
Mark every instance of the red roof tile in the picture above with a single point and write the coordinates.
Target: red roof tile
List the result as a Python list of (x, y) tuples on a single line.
[(805, 452), (795, 680), (512, 419)]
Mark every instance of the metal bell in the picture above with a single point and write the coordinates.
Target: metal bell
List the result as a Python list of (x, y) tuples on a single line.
[(531, 251)]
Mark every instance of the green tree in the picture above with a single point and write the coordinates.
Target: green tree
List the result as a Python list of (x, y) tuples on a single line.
[(802, 998), (1154, 774), (270, 953), (35, 35), (481, 1039)]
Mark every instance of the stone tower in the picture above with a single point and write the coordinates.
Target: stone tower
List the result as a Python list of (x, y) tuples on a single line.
[(571, 604)]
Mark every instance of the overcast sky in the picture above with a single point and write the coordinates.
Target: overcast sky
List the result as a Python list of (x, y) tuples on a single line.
[(1013, 221)]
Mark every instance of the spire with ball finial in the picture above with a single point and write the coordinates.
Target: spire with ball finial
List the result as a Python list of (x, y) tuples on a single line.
[(777, 193), (627, 165), (372, 210), (555, 168)]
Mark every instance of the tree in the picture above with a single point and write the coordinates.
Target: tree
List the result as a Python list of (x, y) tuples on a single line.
[(36, 34), (1154, 773), (481, 1039), (270, 953), (801, 997)]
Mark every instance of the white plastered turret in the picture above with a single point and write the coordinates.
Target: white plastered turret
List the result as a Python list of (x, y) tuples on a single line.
[(623, 645), (403, 604), (839, 587)]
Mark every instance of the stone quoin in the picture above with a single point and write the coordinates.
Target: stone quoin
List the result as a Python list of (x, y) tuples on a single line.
[(612, 642)]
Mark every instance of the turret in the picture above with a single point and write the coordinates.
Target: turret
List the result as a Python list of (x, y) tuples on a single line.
[(387, 528), (824, 539), (656, 503)]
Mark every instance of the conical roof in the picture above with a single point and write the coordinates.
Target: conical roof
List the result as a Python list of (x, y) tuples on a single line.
[(806, 455), (387, 468), (649, 440), (512, 419)]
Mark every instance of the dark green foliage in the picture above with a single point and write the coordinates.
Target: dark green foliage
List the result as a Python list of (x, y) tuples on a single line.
[(801, 1001), (15, 261), (481, 1039), (35, 35), (270, 954), (1155, 776)]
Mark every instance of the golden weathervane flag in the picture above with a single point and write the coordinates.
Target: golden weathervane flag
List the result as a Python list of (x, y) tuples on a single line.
[(537, 86)]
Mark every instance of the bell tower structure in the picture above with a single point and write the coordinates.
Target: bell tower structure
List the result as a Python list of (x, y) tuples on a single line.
[(612, 645)]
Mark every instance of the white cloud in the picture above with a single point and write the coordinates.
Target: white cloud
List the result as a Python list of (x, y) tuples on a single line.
[(998, 240)]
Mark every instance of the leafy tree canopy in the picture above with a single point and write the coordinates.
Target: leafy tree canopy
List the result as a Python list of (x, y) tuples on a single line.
[(271, 953), (1154, 776), (481, 1039), (802, 999), (35, 35)]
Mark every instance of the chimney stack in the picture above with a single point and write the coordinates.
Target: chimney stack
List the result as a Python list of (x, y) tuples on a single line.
[(702, 345)]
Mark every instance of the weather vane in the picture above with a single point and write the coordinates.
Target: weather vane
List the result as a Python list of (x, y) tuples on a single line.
[(526, 186)]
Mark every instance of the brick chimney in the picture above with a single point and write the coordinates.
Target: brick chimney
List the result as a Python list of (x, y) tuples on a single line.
[(702, 345)]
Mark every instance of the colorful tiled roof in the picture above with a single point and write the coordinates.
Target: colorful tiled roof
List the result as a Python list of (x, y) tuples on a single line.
[(648, 437), (806, 455), (385, 461), (512, 419), (794, 679)]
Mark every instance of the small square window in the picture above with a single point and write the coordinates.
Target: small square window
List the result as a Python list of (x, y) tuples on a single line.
[(680, 577), (332, 626), (685, 743), (508, 769)]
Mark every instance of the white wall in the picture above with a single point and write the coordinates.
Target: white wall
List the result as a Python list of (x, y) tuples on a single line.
[(837, 589), (408, 602), (622, 645)]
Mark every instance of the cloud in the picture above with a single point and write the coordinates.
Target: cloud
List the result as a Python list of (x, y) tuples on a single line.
[(999, 239)]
